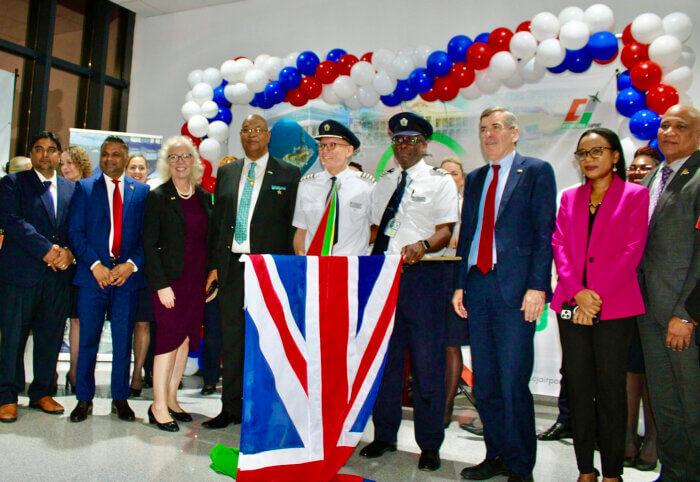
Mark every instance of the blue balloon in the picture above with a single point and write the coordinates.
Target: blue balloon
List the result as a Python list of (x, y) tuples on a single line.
[(655, 144), (602, 46), (558, 69), (457, 48), (644, 124), (420, 80), (482, 37), (223, 115), (260, 101), (274, 92), (307, 61), (391, 100), (404, 91), (335, 54), (290, 78), (623, 80), (439, 63), (578, 61), (629, 101), (220, 98)]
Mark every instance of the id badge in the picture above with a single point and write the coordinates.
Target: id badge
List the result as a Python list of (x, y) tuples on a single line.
[(392, 228)]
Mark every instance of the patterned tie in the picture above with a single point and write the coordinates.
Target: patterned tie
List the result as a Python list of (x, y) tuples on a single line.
[(337, 208), (665, 173), (47, 185), (382, 241), (484, 260), (242, 216), (117, 215)]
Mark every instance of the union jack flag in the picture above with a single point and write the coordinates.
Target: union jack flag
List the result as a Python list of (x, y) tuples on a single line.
[(316, 335)]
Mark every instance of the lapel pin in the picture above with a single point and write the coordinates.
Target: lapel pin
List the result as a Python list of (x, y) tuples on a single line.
[(172, 198), (519, 171), (684, 172), (131, 186), (270, 172), (279, 192)]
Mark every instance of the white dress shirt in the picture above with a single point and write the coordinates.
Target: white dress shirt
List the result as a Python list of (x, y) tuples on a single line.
[(110, 201), (260, 171), (53, 190)]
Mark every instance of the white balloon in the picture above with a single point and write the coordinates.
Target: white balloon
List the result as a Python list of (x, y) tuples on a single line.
[(402, 66), (686, 58), (256, 80), (212, 76), (502, 65), (574, 35), (291, 59), (362, 73), (470, 93), (352, 102), (198, 125), (381, 59), (210, 149), (665, 50), (188, 96), (367, 96), (570, 13), (260, 61), (523, 45), (218, 130), (599, 18), (487, 82), (647, 27), (202, 92), (420, 55), (531, 71), (544, 26), (328, 95), (679, 25), (238, 70), (680, 78), (406, 51), (344, 87), (228, 71), (383, 83), (238, 93), (685, 99), (272, 67), (209, 108), (194, 77), (550, 53), (515, 81), (190, 109)]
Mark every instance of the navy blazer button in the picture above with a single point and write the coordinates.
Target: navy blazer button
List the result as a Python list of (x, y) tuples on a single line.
[(590, 260)]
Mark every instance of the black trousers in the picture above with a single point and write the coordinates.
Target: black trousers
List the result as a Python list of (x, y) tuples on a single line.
[(233, 333), (595, 364), (211, 345)]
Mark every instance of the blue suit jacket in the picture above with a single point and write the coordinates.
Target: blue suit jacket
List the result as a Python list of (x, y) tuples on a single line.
[(90, 226), (30, 228), (523, 230)]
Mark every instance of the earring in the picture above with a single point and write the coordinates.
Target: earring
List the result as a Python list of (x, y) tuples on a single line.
[(615, 169)]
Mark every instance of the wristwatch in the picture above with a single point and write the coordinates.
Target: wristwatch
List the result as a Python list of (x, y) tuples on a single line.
[(426, 245)]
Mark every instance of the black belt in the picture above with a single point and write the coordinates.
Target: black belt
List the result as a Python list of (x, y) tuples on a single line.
[(493, 268)]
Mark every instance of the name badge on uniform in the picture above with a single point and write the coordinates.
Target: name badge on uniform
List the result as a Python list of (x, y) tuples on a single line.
[(355, 205), (392, 228), (418, 199)]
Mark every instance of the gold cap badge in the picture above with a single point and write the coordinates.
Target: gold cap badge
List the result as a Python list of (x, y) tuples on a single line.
[(403, 122)]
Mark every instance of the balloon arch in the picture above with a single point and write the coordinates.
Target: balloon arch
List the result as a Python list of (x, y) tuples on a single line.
[(658, 72)]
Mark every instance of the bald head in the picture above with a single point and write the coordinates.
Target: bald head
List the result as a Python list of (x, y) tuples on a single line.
[(255, 137), (679, 132)]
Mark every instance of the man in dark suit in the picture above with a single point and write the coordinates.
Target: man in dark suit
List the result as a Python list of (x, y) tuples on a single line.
[(36, 269), (106, 225), (253, 210), (670, 268), (502, 285)]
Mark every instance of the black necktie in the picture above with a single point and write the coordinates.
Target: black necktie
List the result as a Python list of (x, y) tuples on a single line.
[(47, 185), (337, 209), (382, 241)]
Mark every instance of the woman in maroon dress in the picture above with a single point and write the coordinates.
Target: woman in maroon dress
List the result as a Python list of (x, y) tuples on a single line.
[(175, 244)]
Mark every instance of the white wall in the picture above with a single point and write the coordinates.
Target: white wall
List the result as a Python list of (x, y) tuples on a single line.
[(168, 47)]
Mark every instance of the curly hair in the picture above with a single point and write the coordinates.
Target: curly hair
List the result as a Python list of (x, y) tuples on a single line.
[(81, 159)]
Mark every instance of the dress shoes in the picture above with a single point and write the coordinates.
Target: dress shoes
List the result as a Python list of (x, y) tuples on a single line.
[(222, 420), (513, 477), (485, 470), (123, 411), (557, 431), (644, 466), (471, 428), (47, 405), (377, 449), (429, 460), (170, 426), (180, 416), (134, 392), (208, 390), (8, 412), (81, 411)]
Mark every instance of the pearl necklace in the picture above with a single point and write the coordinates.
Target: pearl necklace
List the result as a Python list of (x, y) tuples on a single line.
[(185, 195)]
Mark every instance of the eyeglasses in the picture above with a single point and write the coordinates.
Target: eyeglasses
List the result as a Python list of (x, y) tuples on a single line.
[(249, 131), (410, 140), (330, 146), (176, 157), (642, 168), (594, 152), (40, 150)]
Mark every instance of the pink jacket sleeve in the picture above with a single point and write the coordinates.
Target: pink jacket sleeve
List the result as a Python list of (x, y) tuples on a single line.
[(562, 244)]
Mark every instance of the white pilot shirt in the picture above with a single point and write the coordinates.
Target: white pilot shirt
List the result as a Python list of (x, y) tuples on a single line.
[(430, 198), (354, 196)]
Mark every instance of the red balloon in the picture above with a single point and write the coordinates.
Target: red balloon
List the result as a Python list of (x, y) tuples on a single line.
[(627, 34), (499, 39), (367, 57), (241, 57), (479, 55), (661, 97), (462, 75), (296, 97), (310, 87), (429, 96), (208, 184), (195, 140), (633, 53), (605, 62), (645, 75), (523, 27), (207, 168), (345, 63), (327, 72), (185, 131), (445, 88)]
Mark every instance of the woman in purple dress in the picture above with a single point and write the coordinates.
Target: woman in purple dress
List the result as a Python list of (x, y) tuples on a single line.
[(175, 245)]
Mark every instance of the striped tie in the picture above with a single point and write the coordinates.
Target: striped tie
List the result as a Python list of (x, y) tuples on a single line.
[(244, 206)]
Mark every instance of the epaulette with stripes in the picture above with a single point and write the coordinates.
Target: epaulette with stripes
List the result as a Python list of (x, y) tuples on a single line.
[(307, 177)]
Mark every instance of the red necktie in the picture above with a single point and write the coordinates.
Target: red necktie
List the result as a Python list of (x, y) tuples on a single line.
[(117, 215), (484, 260)]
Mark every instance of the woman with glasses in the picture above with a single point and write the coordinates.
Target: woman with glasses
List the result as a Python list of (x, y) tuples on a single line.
[(598, 243), (645, 160), (174, 245)]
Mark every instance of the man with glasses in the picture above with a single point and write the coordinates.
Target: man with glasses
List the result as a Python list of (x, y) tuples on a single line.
[(35, 275), (415, 209), (253, 209), (346, 191)]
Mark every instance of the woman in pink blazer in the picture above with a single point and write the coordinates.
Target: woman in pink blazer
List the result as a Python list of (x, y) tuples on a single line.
[(598, 243)]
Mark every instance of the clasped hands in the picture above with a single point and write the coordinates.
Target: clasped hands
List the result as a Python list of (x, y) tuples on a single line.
[(116, 276), (589, 304), (58, 258)]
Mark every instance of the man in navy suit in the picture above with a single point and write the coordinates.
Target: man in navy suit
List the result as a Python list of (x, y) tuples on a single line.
[(501, 285), (106, 225), (35, 275)]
